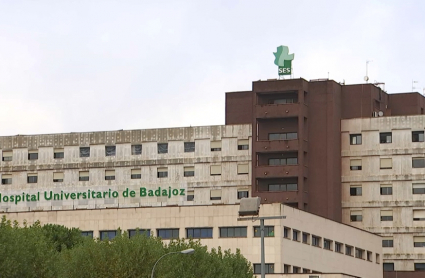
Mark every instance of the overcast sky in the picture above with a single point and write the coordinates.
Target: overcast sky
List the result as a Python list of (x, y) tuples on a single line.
[(74, 66)]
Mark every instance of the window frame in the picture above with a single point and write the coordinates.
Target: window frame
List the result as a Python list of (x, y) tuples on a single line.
[(354, 139), (136, 149), (385, 137), (84, 152), (110, 150), (268, 231), (199, 233), (242, 230), (189, 147), (416, 136), (173, 231), (162, 148)]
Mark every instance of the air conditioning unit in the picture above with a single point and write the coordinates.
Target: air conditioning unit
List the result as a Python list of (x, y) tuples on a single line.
[(249, 206), (374, 114)]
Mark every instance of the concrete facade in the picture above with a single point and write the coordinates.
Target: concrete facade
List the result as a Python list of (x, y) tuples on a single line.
[(387, 195)]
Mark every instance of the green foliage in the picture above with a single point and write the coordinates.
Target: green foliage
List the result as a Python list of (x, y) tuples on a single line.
[(56, 251)]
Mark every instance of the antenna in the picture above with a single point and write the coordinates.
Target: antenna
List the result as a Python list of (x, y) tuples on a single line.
[(413, 82), (366, 78)]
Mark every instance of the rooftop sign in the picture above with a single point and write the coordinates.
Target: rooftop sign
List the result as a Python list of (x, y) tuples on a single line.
[(283, 60)]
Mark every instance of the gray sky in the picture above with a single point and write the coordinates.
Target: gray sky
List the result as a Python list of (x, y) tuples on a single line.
[(73, 66)]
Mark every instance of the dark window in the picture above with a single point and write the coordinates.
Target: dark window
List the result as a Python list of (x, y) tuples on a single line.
[(87, 234), (296, 269), (296, 235), (315, 241), (107, 235), (162, 173), (84, 151), (418, 162), (136, 149), (189, 147), (283, 187), (386, 190), (189, 171), (243, 194), (388, 266), (359, 253), (355, 139), (32, 156), (6, 179), (58, 155), (327, 244), (417, 136), (356, 191), (199, 232), (283, 136), (109, 175), (215, 146), (348, 250), (283, 101), (136, 174), (306, 270), (134, 232), (369, 256), (268, 231), (190, 197), (269, 268), (243, 147), (233, 232), (84, 176), (419, 266), (386, 218), (306, 238), (162, 147), (385, 137), (419, 243), (110, 150), (338, 247), (418, 189), (168, 233), (7, 156), (356, 217), (387, 242), (32, 179), (286, 232), (286, 268), (283, 161)]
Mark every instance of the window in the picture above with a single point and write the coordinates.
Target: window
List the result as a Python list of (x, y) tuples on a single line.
[(162, 147), (387, 242), (84, 176), (315, 241), (359, 253), (243, 144), (338, 247), (419, 215), (385, 137), (32, 155), (419, 241), (386, 163), (58, 177), (189, 147), (296, 269), (58, 153), (162, 172), (134, 232), (168, 233), (109, 175), (286, 232), (286, 268), (199, 232), (268, 231), (7, 156), (283, 136), (306, 238), (110, 150), (215, 146), (355, 164), (418, 162), (136, 174), (327, 244), (269, 268), (356, 216), (283, 187), (6, 179), (296, 235), (283, 161), (355, 139), (377, 258), (418, 188), (417, 136), (107, 235), (215, 170), (388, 266), (243, 169), (32, 178), (306, 270), (136, 149), (189, 171), (419, 266), (369, 256), (348, 250), (283, 101), (190, 196), (386, 189), (386, 215), (215, 194), (233, 232), (242, 193), (355, 190), (87, 234), (84, 151)]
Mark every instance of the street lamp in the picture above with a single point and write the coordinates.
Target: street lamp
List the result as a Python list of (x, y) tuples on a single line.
[(187, 251)]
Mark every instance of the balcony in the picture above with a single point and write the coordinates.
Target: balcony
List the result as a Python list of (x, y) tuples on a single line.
[(273, 111), (278, 196), (276, 145), (267, 171)]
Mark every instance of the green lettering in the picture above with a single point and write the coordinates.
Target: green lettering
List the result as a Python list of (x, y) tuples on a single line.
[(132, 193), (79, 194), (33, 198), (125, 193), (182, 192), (66, 195), (17, 199), (104, 194), (142, 191), (56, 196), (158, 192), (99, 195), (115, 194), (150, 193), (48, 197), (164, 192), (175, 192), (73, 196)]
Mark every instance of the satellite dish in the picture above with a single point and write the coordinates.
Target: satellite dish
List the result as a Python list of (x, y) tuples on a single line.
[(380, 113), (366, 78)]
